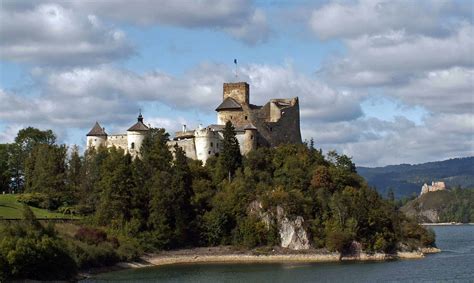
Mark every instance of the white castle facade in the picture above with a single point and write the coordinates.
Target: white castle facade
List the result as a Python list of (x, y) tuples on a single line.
[(277, 122), (130, 142)]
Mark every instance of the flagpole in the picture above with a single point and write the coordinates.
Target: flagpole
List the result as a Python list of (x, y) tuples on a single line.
[(235, 62)]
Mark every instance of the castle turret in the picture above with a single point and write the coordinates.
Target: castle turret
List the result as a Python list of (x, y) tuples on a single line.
[(96, 137), (207, 143), (135, 136), (250, 139)]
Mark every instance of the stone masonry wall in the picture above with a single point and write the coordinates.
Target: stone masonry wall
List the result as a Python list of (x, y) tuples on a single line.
[(238, 91)]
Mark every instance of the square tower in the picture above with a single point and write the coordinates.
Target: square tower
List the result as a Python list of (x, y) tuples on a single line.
[(238, 91)]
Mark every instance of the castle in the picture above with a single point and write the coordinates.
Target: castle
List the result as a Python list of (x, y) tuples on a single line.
[(277, 122), (435, 186)]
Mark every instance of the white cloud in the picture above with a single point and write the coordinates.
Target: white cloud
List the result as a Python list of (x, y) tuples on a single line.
[(369, 17), (239, 18), (373, 142), (52, 34)]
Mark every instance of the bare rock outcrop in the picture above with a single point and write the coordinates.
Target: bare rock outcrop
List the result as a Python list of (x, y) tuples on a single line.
[(292, 233)]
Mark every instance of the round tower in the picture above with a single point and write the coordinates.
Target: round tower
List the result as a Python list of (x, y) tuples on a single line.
[(96, 137), (135, 136), (206, 142), (250, 139)]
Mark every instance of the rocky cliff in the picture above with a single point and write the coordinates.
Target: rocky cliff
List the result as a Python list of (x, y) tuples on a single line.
[(291, 229)]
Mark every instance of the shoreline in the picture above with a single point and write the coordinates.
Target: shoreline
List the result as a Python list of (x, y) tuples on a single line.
[(217, 256), (446, 224)]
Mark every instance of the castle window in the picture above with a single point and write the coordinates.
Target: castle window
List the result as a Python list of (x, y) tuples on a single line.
[(132, 145), (245, 117)]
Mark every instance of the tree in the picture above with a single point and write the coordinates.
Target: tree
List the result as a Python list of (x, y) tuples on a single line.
[(4, 170), (229, 158), (74, 170), (116, 186), (155, 152), (25, 141), (45, 169)]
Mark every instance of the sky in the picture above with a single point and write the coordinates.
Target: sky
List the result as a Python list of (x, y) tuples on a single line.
[(385, 82)]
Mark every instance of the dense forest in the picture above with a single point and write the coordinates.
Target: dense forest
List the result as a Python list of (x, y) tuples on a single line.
[(405, 179), (162, 200)]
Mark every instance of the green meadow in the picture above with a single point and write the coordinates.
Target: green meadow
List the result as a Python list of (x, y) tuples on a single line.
[(10, 208)]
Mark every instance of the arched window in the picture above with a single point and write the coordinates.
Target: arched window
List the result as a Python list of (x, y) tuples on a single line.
[(132, 146)]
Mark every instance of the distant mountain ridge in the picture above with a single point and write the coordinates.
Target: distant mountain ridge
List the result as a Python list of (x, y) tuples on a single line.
[(406, 179)]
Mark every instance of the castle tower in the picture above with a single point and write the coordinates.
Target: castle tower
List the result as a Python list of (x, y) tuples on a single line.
[(96, 137), (235, 95), (207, 143), (240, 92), (250, 139), (135, 136)]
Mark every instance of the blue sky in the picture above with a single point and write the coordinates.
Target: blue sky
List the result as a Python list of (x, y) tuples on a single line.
[(385, 82)]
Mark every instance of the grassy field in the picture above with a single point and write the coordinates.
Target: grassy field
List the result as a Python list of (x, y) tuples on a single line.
[(10, 208)]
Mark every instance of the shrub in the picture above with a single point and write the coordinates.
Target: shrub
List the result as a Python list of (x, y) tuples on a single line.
[(87, 255), (91, 236), (30, 251)]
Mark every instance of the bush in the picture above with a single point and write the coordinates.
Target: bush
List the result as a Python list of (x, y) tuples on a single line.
[(87, 255), (30, 251), (251, 232), (91, 236), (338, 240)]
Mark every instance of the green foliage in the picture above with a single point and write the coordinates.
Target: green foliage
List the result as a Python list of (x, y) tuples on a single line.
[(30, 251), (229, 158), (5, 174), (161, 200), (460, 208), (26, 140)]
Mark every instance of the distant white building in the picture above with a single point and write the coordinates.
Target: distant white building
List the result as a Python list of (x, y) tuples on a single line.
[(435, 186)]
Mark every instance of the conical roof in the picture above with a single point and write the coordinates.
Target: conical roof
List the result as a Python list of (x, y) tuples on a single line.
[(229, 103), (97, 131), (139, 126)]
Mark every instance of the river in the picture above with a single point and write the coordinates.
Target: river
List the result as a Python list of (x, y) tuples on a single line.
[(454, 264)]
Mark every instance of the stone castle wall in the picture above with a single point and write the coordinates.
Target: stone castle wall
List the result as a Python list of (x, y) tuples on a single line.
[(119, 141), (239, 91), (187, 145)]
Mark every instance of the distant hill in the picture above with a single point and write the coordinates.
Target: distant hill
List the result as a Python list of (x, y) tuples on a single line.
[(406, 179), (442, 206)]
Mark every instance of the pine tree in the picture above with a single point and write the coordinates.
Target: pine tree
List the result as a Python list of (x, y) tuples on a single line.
[(116, 189), (74, 171), (229, 158)]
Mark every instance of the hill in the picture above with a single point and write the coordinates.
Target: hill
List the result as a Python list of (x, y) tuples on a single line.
[(442, 206), (10, 208), (406, 179)]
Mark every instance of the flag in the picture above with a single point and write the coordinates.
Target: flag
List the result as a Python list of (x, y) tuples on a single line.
[(235, 61)]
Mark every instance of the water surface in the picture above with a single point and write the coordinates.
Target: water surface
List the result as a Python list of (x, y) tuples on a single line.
[(454, 264)]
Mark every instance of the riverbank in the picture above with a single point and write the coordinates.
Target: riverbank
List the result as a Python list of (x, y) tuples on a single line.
[(231, 255)]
